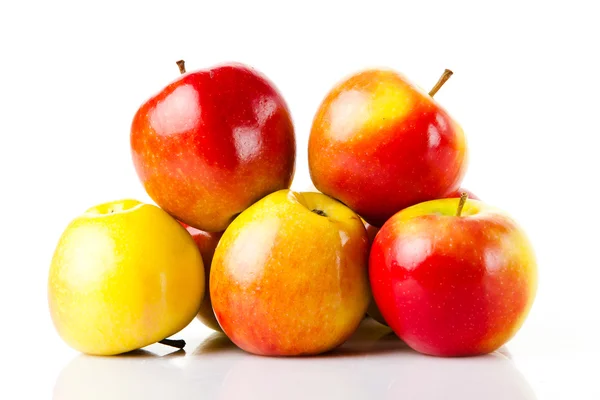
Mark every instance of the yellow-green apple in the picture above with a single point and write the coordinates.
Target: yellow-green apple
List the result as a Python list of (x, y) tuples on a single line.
[(453, 277), (124, 275), (373, 312), (289, 276), (207, 243), (213, 142), (380, 144)]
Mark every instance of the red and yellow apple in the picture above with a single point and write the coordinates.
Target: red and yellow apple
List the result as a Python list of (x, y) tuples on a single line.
[(289, 276), (380, 144), (453, 280), (373, 311), (213, 142), (207, 243), (124, 275)]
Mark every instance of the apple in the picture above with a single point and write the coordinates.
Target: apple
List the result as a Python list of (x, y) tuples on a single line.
[(289, 276), (380, 144), (207, 243), (212, 143), (373, 311), (124, 275), (453, 277)]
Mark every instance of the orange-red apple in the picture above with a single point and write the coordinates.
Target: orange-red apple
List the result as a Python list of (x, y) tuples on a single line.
[(289, 276), (380, 144)]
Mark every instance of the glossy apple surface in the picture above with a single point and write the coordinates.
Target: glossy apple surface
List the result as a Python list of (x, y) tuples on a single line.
[(379, 144), (453, 285), (207, 243), (289, 276), (373, 310), (213, 142), (124, 275)]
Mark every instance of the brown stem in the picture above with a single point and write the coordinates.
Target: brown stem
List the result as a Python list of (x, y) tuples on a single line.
[(181, 65), (177, 343), (461, 203), (445, 76)]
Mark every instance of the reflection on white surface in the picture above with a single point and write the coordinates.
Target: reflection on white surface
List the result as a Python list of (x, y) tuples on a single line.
[(372, 365)]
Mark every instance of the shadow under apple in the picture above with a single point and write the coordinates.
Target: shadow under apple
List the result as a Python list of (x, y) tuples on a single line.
[(492, 376), (137, 374), (373, 363)]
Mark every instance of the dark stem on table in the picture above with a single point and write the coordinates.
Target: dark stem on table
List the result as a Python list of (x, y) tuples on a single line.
[(177, 343), (181, 65), (445, 76)]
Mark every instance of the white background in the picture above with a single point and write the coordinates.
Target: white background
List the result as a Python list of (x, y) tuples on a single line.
[(525, 89)]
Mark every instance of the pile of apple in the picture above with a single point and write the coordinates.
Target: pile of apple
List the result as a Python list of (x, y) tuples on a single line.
[(284, 273)]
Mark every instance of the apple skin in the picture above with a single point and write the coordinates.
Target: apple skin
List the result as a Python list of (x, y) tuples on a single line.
[(373, 311), (212, 143), (124, 275), (206, 243), (379, 144), (453, 286), (286, 281)]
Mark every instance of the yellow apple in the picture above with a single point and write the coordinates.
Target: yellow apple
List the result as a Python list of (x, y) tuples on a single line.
[(289, 275), (124, 275)]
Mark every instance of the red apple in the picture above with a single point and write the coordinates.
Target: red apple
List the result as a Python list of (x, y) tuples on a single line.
[(206, 243), (213, 142), (453, 282), (373, 311), (380, 144)]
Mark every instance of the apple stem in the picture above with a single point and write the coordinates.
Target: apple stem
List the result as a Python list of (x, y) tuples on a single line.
[(445, 76), (181, 65), (177, 343), (461, 203)]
